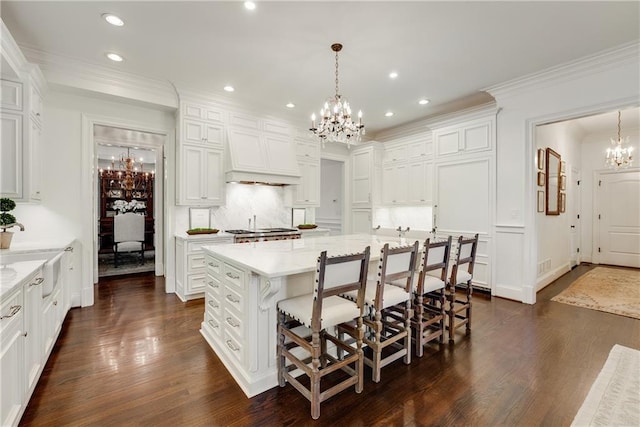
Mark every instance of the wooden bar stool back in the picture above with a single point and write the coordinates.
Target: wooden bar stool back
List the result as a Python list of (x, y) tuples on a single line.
[(459, 312), (429, 304), (388, 307), (304, 323)]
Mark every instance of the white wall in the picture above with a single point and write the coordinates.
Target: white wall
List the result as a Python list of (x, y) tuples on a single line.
[(62, 181), (589, 86), (553, 230)]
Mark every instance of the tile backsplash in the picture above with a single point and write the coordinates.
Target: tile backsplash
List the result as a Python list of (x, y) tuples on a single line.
[(243, 201)]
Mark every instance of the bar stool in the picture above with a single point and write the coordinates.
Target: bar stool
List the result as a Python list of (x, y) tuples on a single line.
[(459, 312), (429, 302), (388, 303), (304, 321)]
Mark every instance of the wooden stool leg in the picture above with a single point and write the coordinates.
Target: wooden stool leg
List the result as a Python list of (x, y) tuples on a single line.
[(315, 376), (360, 362), (408, 314), (377, 350), (419, 314), (281, 358)]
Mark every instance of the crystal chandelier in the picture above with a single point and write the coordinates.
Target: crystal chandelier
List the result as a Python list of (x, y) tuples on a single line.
[(620, 155), (335, 122)]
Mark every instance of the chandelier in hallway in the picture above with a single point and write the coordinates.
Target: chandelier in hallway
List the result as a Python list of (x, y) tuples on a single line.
[(335, 122), (620, 155)]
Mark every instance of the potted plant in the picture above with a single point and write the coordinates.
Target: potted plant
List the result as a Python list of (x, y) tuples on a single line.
[(7, 221)]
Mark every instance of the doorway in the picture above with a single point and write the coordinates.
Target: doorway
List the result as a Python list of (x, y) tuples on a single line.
[(330, 214), (128, 163)]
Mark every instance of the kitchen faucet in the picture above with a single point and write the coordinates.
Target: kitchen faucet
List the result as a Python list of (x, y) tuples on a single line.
[(254, 223)]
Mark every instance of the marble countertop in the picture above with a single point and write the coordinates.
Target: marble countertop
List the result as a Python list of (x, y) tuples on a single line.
[(11, 275), (285, 257), (55, 245), (219, 235)]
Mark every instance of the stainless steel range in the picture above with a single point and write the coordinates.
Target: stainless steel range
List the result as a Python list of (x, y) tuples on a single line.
[(264, 234)]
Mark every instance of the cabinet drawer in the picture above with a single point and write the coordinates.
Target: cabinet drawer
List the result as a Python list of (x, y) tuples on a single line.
[(234, 276), (233, 299), (213, 285), (233, 346), (195, 262), (233, 323), (213, 306), (196, 283), (12, 311), (212, 323), (214, 266)]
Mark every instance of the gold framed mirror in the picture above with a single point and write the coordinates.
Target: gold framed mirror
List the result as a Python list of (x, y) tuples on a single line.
[(552, 184)]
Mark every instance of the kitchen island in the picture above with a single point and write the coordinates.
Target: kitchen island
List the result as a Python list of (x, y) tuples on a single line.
[(243, 285)]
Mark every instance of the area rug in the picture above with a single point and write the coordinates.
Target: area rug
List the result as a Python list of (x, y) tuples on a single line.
[(614, 398), (612, 290)]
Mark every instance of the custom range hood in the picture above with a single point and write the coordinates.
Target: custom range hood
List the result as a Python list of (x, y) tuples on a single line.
[(253, 157)]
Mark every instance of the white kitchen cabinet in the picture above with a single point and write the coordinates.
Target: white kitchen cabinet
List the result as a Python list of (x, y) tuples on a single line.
[(308, 149), (465, 138), (191, 273), (12, 378), (420, 179), (395, 154), (199, 111), (21, 137), (196, 132), (361, 221), (11, 155), (33, 324), (363, 180), (307, 193), (201, 180), (11, 93), (35, 154), (395, 183)]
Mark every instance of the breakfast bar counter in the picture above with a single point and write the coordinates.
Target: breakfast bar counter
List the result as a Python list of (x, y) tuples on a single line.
[(245, 281)]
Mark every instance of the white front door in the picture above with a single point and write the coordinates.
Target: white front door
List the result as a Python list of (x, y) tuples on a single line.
[(618, 214)]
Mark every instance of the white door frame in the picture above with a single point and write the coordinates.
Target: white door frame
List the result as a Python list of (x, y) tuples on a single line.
[(575, 195), (89, 186)]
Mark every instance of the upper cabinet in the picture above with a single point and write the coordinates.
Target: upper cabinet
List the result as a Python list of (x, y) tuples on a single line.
[(21, 115), (475, 136), (365, 162), (200, 154), (307, 193)]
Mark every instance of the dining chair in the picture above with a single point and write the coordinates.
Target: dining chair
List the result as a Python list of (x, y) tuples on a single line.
[(429, 300), (460, 304), (388, 309), (128, 235), (305, 323)]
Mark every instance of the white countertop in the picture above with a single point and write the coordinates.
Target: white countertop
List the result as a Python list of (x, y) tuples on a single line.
[(196, 237), (55, 245), (285, 257), (13, 274)]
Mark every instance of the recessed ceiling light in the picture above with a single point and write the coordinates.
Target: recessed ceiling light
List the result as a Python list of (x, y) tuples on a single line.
[(113, 19), (423, 101), (249, 5), (388, 114), (393, 75), (115, 57), (291, 105), (229, 88)]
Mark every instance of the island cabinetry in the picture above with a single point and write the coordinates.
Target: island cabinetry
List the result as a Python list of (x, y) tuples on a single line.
[(191, 274), (33, 330)]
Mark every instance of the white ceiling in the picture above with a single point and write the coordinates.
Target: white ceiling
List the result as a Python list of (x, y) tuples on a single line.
[(280, 52)]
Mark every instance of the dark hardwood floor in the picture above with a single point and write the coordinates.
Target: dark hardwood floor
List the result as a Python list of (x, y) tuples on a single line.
[(137, 358)]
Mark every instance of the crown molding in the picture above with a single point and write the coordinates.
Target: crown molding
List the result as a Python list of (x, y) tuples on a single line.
[(624, 54), (11, 52), (71, 72)]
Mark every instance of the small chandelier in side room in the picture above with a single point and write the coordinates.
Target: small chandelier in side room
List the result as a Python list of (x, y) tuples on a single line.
[(335, 121), (620, 155)]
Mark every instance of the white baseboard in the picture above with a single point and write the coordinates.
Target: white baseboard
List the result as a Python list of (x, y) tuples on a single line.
[(552, 275)]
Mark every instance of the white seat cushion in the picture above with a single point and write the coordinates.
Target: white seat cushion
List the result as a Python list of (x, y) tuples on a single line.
[(335, 310), (463, 277), (392, 294), (129, 246)]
